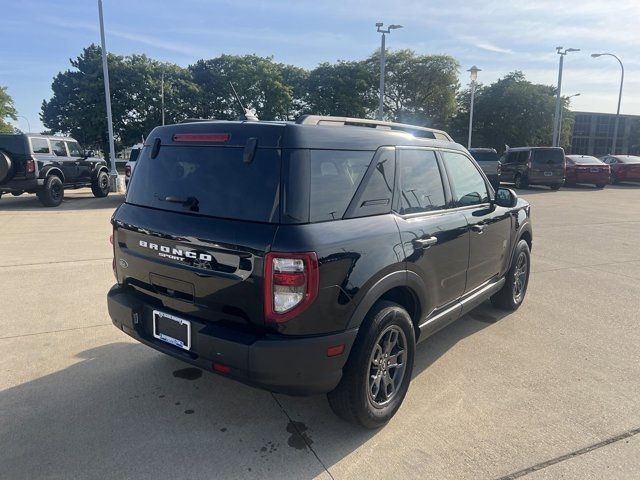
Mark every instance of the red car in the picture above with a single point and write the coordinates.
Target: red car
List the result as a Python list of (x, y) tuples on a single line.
[(586, 169), (624, 168)]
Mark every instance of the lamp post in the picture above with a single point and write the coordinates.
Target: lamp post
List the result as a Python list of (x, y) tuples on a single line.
[(27, 120), (162, 94), (383, 31), (562, 52), (474, 77), (113, 174), (561, 112), (615, 128)]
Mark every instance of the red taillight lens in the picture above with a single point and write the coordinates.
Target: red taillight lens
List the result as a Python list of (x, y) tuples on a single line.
[(290, 284), (31, 166), (201, 137), (127, 170)]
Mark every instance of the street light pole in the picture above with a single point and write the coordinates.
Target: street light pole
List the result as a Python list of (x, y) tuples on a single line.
[(559, 51), (383, 62), (561, 112), (113, 174), (474, 77), (27, 120), (615, 128), (162, 94)]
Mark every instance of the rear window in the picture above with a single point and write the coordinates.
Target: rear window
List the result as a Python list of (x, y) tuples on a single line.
[(211, 181), (335, 176), (548, 156), (584, 160), (39, 145), (485, 156), (135, 153), (629, 159)]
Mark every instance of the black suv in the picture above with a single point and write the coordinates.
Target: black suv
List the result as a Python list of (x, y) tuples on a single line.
[(311, 257), (526, 166), (46, 165)]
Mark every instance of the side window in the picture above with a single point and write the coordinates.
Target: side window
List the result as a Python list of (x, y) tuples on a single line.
[(335, 176), (421, 187), (375, 194), (523, 157), (468, 184), (40, 145), (74, 149), (511, 157), (58, 148)]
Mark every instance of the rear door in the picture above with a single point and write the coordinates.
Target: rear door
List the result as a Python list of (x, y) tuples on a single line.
[(434, 237), (67, 164), (195, 227), (547, 165), (508, 166), (489, 224), (75, 155)]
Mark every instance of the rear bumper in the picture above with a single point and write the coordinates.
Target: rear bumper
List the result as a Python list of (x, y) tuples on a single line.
[(549, 181), (292, 365), (26, 185)]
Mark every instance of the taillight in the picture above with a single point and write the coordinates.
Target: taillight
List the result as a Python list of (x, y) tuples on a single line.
[(127, 170), (290, 284), (31, 165)]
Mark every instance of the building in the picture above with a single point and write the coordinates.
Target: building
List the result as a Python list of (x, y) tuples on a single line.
[(593, 134)]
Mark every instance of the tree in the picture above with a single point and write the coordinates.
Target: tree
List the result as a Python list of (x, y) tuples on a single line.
[(7, 110), (419, 89), (343, 89), (512, 111)]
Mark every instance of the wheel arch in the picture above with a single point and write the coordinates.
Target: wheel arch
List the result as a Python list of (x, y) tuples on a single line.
[(53, 171)]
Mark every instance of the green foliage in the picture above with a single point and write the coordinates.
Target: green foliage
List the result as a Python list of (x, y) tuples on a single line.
[(7, 111)]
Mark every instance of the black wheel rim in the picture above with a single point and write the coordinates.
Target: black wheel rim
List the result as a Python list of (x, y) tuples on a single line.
[(56, 192), (387, 366), (104, 183), (520, 278)]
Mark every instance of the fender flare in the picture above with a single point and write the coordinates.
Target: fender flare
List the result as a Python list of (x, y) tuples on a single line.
[(52, 170), (97, 170), (525, 228), (399, 278)]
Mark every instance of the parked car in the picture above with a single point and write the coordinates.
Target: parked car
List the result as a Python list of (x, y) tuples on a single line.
[(624, 168), (308, 258), (586, 169), (489, 161), (47, 165), (526, 166), (131, 163)]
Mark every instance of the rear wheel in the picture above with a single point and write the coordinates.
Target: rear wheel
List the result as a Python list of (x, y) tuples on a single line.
[(521, 181), (52, 193), (377, 375), (100, 185), (600, 185), (511, 296), (555, 187)]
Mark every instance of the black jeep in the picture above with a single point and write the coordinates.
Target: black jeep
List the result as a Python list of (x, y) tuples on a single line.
[(311, 257), (46, 165)]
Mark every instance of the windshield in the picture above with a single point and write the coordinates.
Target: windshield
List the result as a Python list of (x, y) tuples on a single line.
[(212, 181), (584, 160), (548, 156), (485, 156)]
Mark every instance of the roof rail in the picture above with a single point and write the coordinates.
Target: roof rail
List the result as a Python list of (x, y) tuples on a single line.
[(416, 131)]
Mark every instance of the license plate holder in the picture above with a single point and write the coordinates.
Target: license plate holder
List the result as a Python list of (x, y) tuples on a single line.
[(594, 170), (548, 174), (173, 330)]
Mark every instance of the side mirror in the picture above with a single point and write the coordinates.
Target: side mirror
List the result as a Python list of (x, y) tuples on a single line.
[(505, 197)]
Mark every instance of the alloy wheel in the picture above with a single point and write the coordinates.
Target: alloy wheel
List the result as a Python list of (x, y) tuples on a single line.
[(520, 278), (387, 366)]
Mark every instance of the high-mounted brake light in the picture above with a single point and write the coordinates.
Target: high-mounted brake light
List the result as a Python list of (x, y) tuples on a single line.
[(201, 137), (290, 284)]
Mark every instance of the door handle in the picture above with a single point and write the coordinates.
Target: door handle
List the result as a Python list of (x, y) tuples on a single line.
[(477, 228), (425, 242)]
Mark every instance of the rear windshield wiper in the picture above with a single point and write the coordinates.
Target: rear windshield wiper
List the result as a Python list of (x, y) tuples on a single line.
[(191, 202)]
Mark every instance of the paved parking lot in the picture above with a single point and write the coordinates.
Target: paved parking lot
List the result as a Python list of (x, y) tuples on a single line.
[(554, 385)]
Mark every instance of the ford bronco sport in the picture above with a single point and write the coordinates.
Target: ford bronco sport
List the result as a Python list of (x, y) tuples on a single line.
[(46, 165), (311, 257)]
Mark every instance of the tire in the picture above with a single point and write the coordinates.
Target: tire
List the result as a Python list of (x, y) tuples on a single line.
[(614, 180), (555, 187), (5, 167), (520, 181), (353, 399), (52, 193), (512, 294), (600, 185), (100, 185)]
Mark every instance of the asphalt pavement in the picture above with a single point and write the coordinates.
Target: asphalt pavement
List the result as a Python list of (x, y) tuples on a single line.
[(550, 391)]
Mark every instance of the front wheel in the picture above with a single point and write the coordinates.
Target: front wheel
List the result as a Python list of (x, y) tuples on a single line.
[(511, 295), (377, 375), (100, 185), (52, 193), (600, 185)]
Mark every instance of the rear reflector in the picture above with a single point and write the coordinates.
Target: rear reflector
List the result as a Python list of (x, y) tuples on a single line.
[(220, 368), (335, 350), (201, 137)]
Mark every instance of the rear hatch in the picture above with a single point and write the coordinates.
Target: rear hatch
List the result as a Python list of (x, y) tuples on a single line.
[(547, 164), (198, 219), (488, 161)]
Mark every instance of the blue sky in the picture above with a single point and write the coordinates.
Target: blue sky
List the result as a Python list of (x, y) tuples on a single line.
[(37, 38)]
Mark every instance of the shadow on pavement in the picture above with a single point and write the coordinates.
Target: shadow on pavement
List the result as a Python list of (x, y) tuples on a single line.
[(81, 199), (124, 410)]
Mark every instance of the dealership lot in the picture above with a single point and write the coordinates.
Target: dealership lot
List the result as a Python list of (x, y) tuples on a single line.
[(492, 394)]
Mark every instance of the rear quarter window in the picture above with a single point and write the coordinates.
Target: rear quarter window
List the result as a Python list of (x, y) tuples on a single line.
[(40, 145)]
